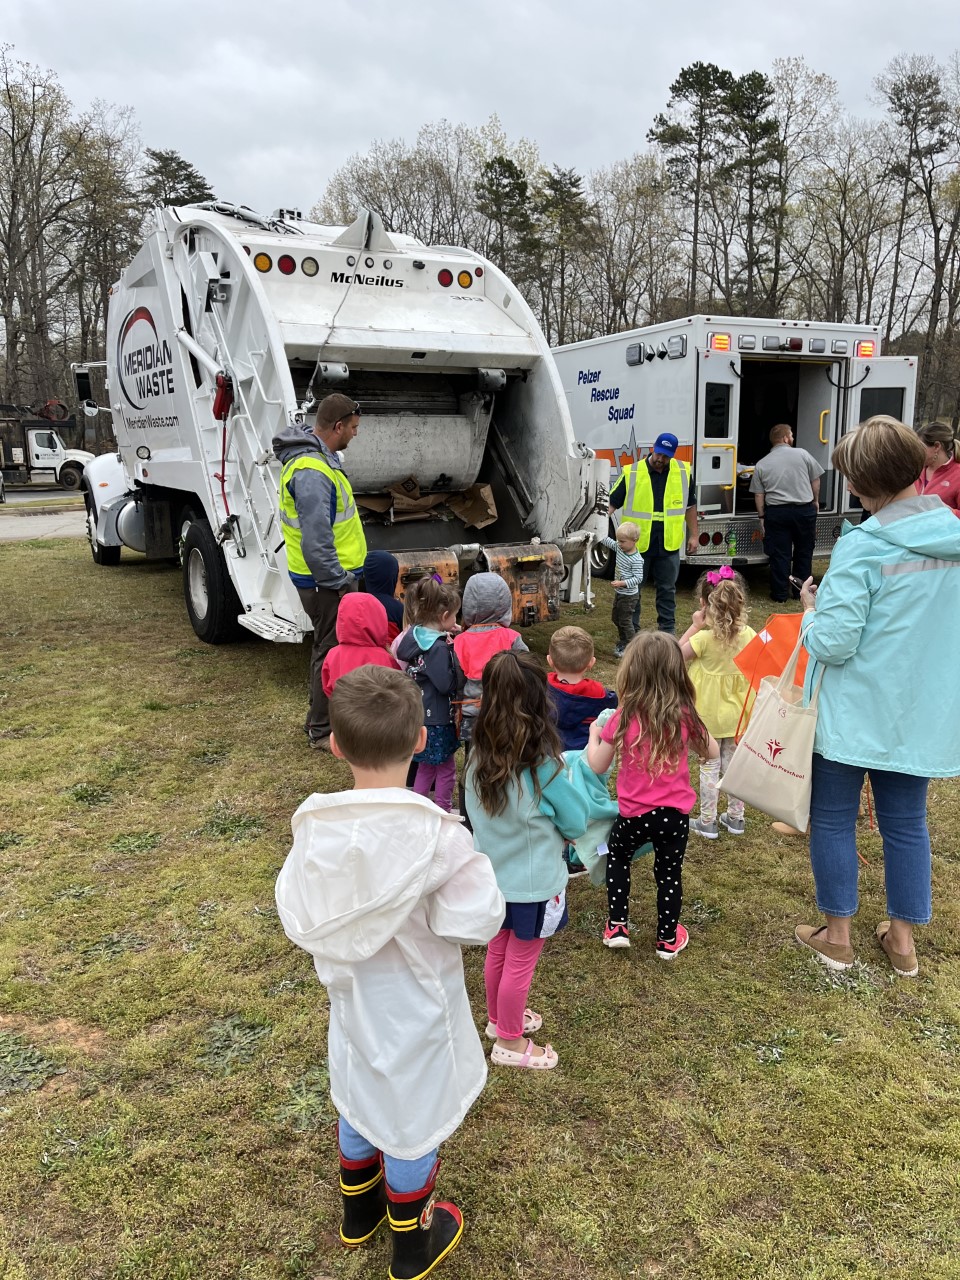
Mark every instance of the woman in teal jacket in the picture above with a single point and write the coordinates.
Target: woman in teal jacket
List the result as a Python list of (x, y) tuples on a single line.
[(891, 594)]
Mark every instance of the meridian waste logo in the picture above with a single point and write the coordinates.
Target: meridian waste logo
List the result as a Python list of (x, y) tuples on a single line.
[(144, 360), (774, 747)]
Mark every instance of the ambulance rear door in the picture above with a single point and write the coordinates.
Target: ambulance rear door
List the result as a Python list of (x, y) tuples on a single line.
[(874, 385), (718, 415)]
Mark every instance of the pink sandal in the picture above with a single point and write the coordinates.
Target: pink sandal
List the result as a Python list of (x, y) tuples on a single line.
[(545, 1061), (531, 1022)]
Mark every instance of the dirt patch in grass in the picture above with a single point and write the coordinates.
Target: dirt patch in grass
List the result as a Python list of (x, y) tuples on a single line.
[(89, 1041)]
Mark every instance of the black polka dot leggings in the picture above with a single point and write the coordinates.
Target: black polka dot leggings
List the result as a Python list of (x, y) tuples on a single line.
[(667, 830)]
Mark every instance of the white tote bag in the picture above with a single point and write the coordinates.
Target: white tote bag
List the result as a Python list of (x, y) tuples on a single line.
[(772, 766)]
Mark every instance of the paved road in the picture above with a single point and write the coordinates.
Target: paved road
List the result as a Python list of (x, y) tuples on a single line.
[(70, 524), (35, 493)]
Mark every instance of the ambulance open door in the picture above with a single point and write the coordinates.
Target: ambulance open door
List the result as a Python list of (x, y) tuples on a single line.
[(875, 385), (718, 415)]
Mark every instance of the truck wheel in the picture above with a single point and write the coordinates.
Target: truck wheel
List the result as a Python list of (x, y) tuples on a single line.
[(602, 560), (211, 598), (106, 556), (71, 478)]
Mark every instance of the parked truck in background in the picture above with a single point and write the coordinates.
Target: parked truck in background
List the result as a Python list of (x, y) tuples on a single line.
[(229, 327), (719, 383), (32, 451)]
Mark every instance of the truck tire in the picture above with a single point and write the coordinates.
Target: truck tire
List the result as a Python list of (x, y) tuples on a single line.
[(106, 556), (211, 598), (71, 478), (603, 561)]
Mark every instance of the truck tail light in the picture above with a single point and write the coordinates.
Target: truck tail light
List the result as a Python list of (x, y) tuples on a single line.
[(464, 279), (262, 261), (794, 344), (309, 266), (445, 277), (719, 342), (866, 350), (286, 264)]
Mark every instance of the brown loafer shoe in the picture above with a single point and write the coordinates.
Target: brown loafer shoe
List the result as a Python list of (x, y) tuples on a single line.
[(814, 938), (904, 966)]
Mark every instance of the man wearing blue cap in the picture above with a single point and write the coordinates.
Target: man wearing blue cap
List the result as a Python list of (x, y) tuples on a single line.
[(658, 495)]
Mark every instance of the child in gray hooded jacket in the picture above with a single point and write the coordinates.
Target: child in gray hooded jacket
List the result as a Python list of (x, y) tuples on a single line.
[(487, 613)]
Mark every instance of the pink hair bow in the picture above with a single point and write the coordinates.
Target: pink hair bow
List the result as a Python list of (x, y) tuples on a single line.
[(716, 576)]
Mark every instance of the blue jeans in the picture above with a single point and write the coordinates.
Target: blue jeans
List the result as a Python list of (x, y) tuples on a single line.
[(900, 800), (662, 568), (402, 1175)]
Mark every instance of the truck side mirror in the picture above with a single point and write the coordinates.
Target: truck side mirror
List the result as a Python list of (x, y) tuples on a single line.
[(90, 408)]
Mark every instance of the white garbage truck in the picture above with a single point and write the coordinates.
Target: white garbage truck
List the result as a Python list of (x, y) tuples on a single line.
[(229, 327), (719, 383)]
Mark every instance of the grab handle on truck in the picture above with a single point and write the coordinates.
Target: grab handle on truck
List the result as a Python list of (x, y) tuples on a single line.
[(732, 485), (823, 438)]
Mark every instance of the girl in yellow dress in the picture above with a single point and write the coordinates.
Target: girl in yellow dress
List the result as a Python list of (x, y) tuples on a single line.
[(715, 636)]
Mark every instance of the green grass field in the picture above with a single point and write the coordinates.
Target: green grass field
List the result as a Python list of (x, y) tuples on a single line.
[(164, 1115)]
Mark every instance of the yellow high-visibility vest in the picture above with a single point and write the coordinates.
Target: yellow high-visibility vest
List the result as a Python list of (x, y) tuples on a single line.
[(349, 540), (638, 503)]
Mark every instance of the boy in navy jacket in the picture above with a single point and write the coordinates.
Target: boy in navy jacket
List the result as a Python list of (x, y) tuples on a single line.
[(577, 700)]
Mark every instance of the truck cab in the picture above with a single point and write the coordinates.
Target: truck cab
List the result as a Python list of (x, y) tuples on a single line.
[(33, 452)]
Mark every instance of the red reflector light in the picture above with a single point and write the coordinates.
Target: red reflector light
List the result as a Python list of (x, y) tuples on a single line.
[(704, 539), (286, 264), (445, 277), (866, 350), (246, 250), (717, 538), (719, 342), (794, 344), (478, 272)]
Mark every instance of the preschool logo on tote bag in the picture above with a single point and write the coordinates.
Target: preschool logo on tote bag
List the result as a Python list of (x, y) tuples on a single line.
[(774, 747)]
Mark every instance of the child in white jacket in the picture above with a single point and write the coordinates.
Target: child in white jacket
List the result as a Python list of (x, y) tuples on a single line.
[(382, 888)]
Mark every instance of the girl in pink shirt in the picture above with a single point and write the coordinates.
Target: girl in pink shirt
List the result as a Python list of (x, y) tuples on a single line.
[(650, 733)]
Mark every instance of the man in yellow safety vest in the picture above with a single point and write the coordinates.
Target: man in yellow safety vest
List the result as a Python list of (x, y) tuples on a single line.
[(324, 538), (658, 495)]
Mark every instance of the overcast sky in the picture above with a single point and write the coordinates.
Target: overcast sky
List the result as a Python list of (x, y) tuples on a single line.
[(268, 100)]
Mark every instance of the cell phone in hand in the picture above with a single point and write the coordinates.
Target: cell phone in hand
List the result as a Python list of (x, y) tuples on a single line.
[(796, 582)]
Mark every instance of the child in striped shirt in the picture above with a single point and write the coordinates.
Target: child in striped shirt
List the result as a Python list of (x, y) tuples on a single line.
[(626, 583)]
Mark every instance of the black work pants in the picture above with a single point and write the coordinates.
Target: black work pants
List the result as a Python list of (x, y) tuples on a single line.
[(790, 532), (321, 605)]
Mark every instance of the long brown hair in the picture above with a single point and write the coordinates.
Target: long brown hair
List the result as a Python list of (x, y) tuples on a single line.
[(515, 728), (654, 689)]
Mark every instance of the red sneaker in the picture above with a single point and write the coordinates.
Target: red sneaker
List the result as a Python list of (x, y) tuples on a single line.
[(667, 950), (616, 935)]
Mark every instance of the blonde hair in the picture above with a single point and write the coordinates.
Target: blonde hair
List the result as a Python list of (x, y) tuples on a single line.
[(725, 605), (654, 690), (376, 715), (571, 649), (630, 529), (882, 457)]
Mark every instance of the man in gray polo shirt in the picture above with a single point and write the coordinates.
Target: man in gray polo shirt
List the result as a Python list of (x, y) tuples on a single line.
[(786, 490)]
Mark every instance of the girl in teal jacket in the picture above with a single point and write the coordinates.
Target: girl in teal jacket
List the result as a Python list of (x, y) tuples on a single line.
[(523, 808), (890, 597)]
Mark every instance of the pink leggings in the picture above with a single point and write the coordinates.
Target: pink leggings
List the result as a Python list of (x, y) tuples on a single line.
[(507, 974), (439, 776)]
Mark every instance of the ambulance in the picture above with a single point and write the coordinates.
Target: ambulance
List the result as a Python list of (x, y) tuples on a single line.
[(719, 383)]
